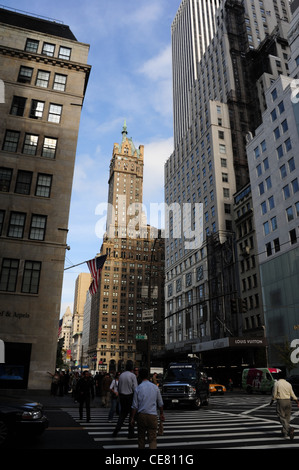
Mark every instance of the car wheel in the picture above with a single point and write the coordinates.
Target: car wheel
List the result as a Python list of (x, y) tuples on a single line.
[(3, 433), (197, 403)]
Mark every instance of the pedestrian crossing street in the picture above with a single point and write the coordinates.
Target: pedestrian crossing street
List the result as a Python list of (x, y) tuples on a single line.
[(227, 423)]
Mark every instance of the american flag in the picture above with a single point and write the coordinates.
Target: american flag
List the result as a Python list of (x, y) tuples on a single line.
[(95, 267)]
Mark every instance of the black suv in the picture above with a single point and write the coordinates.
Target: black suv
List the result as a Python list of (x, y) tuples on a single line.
[(185, 383)]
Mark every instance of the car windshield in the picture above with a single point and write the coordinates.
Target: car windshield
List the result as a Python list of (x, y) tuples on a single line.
[(181, 372)]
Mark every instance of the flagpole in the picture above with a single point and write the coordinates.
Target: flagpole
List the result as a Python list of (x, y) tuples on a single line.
[(74, 265)]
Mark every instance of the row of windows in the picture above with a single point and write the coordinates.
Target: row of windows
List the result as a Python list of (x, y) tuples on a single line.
[(291, 212), (188, 281), (36, 110), (30, 271), (23, 182), (30, 144), (41, 78), (274, 246), (16, 225), (288, 190), (48, 49)]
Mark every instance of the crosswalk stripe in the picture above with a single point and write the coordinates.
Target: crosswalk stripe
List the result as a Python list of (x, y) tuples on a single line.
[(186, 429)]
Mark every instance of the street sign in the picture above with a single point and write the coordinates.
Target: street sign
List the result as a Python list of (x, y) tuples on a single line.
[(148, 315), (141, 336)]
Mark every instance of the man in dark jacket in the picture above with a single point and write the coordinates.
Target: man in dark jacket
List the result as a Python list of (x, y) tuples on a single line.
[(85, 391)]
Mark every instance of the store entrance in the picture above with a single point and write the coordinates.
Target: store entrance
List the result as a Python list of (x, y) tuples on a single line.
[(15, 371)]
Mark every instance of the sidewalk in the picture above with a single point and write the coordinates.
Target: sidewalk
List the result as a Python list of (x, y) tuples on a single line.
[(47, 400)]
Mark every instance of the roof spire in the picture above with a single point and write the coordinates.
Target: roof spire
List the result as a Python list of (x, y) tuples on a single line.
[(124, 131)]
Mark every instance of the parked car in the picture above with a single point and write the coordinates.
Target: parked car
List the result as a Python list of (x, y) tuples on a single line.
[(217, 388), (294, 381), (18, 416)]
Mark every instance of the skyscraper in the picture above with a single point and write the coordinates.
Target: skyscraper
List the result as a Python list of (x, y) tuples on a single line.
[(132, 277), (234, 50)]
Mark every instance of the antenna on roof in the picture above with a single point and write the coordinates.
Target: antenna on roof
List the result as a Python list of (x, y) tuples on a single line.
[(31, 14)]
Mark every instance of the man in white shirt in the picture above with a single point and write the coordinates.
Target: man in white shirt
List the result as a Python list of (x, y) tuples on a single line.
[(283, 394), (147, 398), (126, 385)]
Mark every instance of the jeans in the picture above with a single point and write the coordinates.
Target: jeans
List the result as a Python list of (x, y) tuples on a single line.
[(114, 404)]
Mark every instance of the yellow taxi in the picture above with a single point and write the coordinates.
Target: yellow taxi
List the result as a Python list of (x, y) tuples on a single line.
[(217, 388)]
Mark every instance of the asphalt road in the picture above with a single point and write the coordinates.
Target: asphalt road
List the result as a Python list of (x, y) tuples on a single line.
[(235, 421)]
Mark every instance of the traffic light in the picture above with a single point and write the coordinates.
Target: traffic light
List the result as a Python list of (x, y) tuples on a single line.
[(234, 305), (244, 305)]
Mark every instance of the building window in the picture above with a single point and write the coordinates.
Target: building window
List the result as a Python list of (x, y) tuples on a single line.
[(291, 164), (48, 49), (64, 53), (59, 82), (286, 191), (18, 106), (16, 225), (276, 245), (288, 144), (30, 144), (5, 178), (293, 236), (25, 74), (271, 202), (269, 249), (38, 227), (55, 111), (263, 146), (257, 152), (269, 182), (43, 185), (31, 277), (264, 207), (276, 133), (274, 115), (295, 186), (2, 214), (284, 126), (274, 223), (37, 109), (279, 151), (49, 147), (31, 45), (266, 228), (23, 182), (281, 107), (11, 141), (42, 78), (283, 171), (9, 273), (289, 213), (274, 94)]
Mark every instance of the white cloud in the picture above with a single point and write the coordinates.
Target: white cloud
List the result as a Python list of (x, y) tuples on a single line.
[(155, 155), (158, 67)]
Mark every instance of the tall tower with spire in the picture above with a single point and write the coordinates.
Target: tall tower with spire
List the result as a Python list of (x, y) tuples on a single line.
[(125, 189), (133, 276)]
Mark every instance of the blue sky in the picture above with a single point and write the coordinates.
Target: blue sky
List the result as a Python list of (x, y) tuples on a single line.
[(131, 79)]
